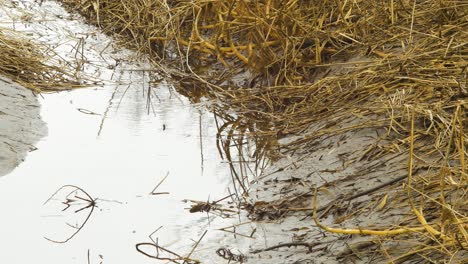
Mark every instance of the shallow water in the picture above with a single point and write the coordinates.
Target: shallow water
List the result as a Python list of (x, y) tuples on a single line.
[(114, 144), (117, 145)]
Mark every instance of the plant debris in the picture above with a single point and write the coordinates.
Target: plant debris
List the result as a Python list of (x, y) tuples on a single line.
[(28, 64), (227, 254), (287, 75), (76, 200)]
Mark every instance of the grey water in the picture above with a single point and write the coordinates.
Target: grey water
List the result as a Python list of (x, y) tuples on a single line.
[(116, 141)]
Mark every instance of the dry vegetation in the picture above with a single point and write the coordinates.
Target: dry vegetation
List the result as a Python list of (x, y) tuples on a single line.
[(28, 64), (284, 65)]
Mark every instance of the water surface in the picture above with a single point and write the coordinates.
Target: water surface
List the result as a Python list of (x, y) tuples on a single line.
[(116, 141)]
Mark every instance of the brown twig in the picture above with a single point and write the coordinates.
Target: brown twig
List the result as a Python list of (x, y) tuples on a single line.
[(309, 246), (68, 203)]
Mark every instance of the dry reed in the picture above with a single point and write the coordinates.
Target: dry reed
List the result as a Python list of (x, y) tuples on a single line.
[(27, 63), (284, 65)]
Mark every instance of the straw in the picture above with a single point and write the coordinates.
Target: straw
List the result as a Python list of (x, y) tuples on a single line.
[(279, 69), (27, 63)]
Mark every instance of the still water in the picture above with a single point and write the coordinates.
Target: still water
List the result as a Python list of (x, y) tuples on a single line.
[(116, 141)]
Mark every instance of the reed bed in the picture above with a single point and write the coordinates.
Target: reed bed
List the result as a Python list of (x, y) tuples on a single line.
[(28, 64), (276, 67)]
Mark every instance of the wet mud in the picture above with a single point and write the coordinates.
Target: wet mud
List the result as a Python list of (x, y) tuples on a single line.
[(20, 124)]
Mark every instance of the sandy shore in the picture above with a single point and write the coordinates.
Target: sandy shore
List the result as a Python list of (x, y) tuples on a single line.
[(20, 124)]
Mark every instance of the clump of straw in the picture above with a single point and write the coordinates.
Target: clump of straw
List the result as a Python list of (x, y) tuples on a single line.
[(27, 63)]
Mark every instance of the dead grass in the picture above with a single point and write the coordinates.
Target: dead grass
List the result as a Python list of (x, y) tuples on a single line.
[(399, 65), (28, 64)]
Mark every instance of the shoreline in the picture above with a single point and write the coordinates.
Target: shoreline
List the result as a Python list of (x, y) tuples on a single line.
[(350, 196), (21, 126)]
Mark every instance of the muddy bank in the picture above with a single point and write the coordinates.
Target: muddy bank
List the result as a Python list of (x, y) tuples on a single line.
[(355, 191), (20, 124), (361, 213)]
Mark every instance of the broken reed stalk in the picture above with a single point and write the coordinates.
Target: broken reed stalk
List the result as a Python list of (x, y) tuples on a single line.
[(362, 231), (27, 63), (71, 200), (277, 67)]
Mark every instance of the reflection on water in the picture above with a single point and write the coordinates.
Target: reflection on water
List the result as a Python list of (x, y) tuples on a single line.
[(121, 166), (116, 142)]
